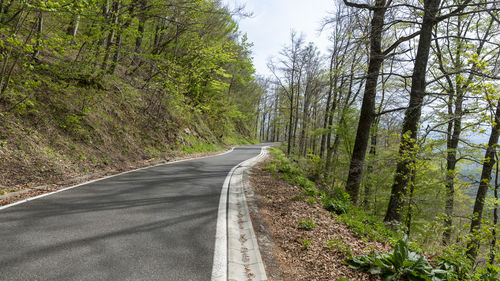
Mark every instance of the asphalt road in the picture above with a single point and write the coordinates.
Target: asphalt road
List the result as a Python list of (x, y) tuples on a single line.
[(152, 224)]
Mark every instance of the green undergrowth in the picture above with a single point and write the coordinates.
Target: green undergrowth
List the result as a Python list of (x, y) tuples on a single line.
[(336, 201), (405, 262), (194, 145), (65, 124), (288, 170)]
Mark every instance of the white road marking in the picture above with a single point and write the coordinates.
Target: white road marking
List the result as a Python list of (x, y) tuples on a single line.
[(220, 265), (103, 178)]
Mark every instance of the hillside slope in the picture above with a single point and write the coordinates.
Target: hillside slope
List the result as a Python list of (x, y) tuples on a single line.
[(95, 85), (51, 139)]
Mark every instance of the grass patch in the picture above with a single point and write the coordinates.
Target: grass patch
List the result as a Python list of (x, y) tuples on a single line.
[(195, 145)]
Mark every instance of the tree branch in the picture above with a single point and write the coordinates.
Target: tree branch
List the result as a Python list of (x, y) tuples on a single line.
[(401, 40), (390, 110), (454, 12), (359, 6)]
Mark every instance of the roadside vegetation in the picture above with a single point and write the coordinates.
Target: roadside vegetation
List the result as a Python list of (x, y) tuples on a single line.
[(402, 114), (111, 84), (408, 259)]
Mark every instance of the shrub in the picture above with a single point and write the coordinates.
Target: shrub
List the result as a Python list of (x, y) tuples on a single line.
[(339, 203), (458, 266), (336, 206), (400, 264), (311, 200), (291, 173), (365, 225)]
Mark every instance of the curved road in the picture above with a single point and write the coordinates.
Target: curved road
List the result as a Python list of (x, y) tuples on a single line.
[(153, 224)]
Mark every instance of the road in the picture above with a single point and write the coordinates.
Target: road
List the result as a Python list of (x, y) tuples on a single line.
[(153, 224)]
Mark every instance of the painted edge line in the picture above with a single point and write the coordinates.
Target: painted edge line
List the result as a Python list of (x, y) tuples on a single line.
[(219, 267), (107, 177)]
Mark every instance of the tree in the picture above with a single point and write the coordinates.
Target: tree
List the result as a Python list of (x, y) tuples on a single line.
[(452, 47), (408, 142), (291, 67), (313, 86), (367, 113), (484, 183)]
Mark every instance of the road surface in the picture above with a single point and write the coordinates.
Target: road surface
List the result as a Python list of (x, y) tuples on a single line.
[(153, 224)]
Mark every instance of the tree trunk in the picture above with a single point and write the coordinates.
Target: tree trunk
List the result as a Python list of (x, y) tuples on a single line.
[(455, 125), (73, 26), (275, 136), (290, 122), (141, 5), (111, 35), (370, 168), (305, 120), (118, 42), (39, 31), (297, 100), (484, 184), (368, 104), (495, 217), (328, 112), (268, 129), (412, 115)]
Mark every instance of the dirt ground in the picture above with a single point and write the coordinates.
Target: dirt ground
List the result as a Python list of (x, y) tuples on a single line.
[(292, 253)]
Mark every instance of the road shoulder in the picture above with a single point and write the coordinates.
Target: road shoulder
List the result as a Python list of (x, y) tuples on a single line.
[(31, 193)]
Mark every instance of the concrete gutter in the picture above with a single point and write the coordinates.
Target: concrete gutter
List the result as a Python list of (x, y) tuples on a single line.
[(244, 261)]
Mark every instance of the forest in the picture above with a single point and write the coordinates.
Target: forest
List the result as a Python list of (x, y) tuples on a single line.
[(397, 125), (86, 85), (401, 116)]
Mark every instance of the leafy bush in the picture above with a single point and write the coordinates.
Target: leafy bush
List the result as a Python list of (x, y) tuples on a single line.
[(455, 262), (400, 264), (336, 206), (271, 167), (339, 203), (365, 225), (490, 273), (291, 173), (314, 166), (306, 224), (458, 266), (298, 180), (288, 168)]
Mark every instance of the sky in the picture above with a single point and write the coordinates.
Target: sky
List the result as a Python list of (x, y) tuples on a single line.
[(272, 21)]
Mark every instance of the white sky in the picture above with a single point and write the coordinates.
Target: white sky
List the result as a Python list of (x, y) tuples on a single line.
[(269, 28)]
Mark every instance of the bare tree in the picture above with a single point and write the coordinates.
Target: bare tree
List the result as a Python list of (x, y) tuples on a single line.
[(290, 66)]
